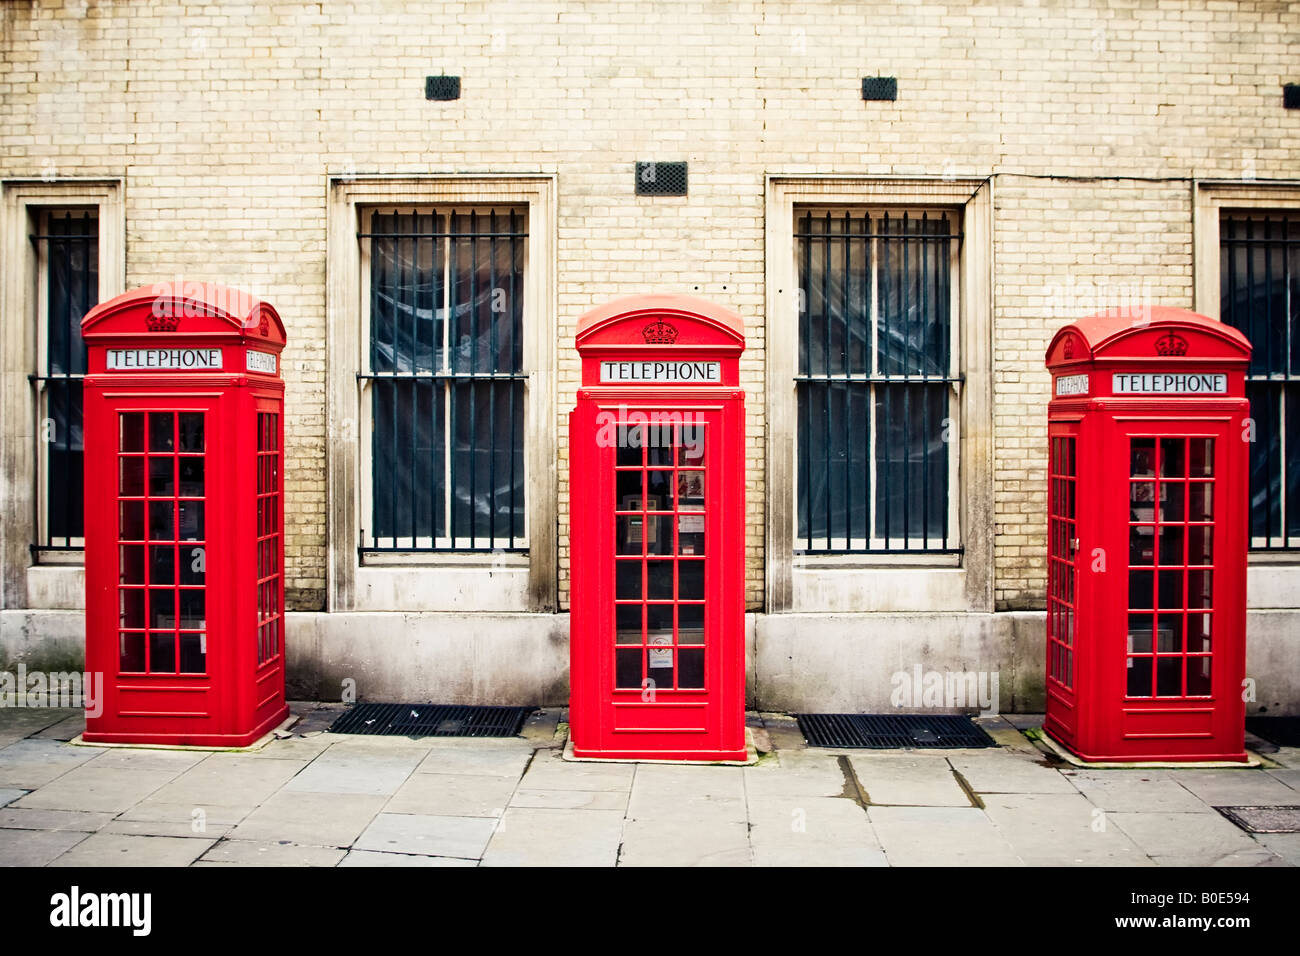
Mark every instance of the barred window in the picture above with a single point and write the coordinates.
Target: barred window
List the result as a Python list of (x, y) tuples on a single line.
[(67, 270), (877, 381), (442, 380), (1259, 279)]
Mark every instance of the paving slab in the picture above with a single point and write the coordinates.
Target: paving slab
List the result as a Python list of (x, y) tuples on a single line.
[(485, 761), (91, 788), (295, 748), (1060, 829), (998, 771), (28, 764), (1235, 788), (9, 795), (207, 830), (661, 783), (795, 773), (531, 836), (453, 795), (36, 847), (371, 858), (818, 831), (1286, 757), (173, 819), (122, 758), (65, 729), (783, 732), (310, 819), (908, 779), (1190, 839), (1285, 845), (1137, 791), (940, 836), (685, 837), (353, 769), (550, 771), (229, 780), (428, 835), (570, 799), (22, 819), (124, 849), (1289, 777), (19, 722), (251, 853)]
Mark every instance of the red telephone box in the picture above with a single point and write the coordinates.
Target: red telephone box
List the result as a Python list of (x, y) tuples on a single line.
[(1147, 526), (184, 551), (657, 485)]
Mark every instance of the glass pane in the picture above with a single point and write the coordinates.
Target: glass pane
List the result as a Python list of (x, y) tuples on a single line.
[(1169, 633), (628, 486), (193, 613), (162, 653), (691, 673), (1171, 589), (627, 669), (690, 623), (194, 561), (1200, 541), (660, 580), (193, 653), (1173, 458), (131, 607), (912, 332), (409, 464), (1141, 589), (1199, 594), (1198, 633), (911, 464), (162, 608), (161, 427), (690, 490), (659, 617), (1139, 676), (690, 580), (691, 446), (131, 434), (162, 477), (131, 520), (72, 286), (131, 653), (191, 477), (1198, 677), (659, 534), (191, 428), (834, 423), (1171, 544), (1141, 548), (131, 567), (1201, 457), (1169, 677), (191, 513), (1200, 501), (162, 564), (1142, 457), (1171, 501), (630, 442), (130, 477), (659, 663), (627, 585), (627, 623), (1139, 633), (161, 527)]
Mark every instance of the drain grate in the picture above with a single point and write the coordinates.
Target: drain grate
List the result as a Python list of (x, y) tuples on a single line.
[(1283, 731), (431, 720), (892, 731), (1264, 819)]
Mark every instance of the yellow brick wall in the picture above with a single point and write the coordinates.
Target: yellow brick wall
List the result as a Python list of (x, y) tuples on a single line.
[(224, 119)]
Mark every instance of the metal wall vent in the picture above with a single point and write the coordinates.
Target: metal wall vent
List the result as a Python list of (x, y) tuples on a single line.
[(661, 179), (880, 87), (442, 87), (1291, 96)]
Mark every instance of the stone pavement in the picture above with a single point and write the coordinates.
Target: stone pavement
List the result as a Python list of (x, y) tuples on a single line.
[(319, 799)]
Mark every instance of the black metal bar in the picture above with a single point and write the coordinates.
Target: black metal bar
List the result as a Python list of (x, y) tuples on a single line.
[(437, 235)]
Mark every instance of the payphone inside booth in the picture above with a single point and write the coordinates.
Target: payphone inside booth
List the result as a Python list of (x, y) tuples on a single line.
[(1147, 525), (657, 491), (184, 429)]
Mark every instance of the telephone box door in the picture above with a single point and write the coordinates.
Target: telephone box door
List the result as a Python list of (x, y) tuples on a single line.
[(1064, 655), (1177, 528)]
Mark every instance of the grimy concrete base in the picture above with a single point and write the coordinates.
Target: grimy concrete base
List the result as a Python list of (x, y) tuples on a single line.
[(795, 662), (751, 757), (257, 744), (1251, 761)]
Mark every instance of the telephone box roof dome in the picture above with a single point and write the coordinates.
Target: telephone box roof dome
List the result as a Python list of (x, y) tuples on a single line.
[(211, 300), (1106, 329), (670, 304)]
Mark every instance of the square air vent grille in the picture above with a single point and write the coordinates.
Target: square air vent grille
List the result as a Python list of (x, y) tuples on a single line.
[(880, 87), (442, 87), (661, 179)]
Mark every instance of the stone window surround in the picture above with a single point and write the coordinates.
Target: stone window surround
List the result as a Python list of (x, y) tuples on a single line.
[(27, 584), (849, 583), (439, 581), (1272, 579)]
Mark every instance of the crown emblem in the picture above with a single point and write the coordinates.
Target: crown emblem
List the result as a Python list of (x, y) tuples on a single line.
[(159, 321), (1067, 347), (1171, 345), (659, 332)]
